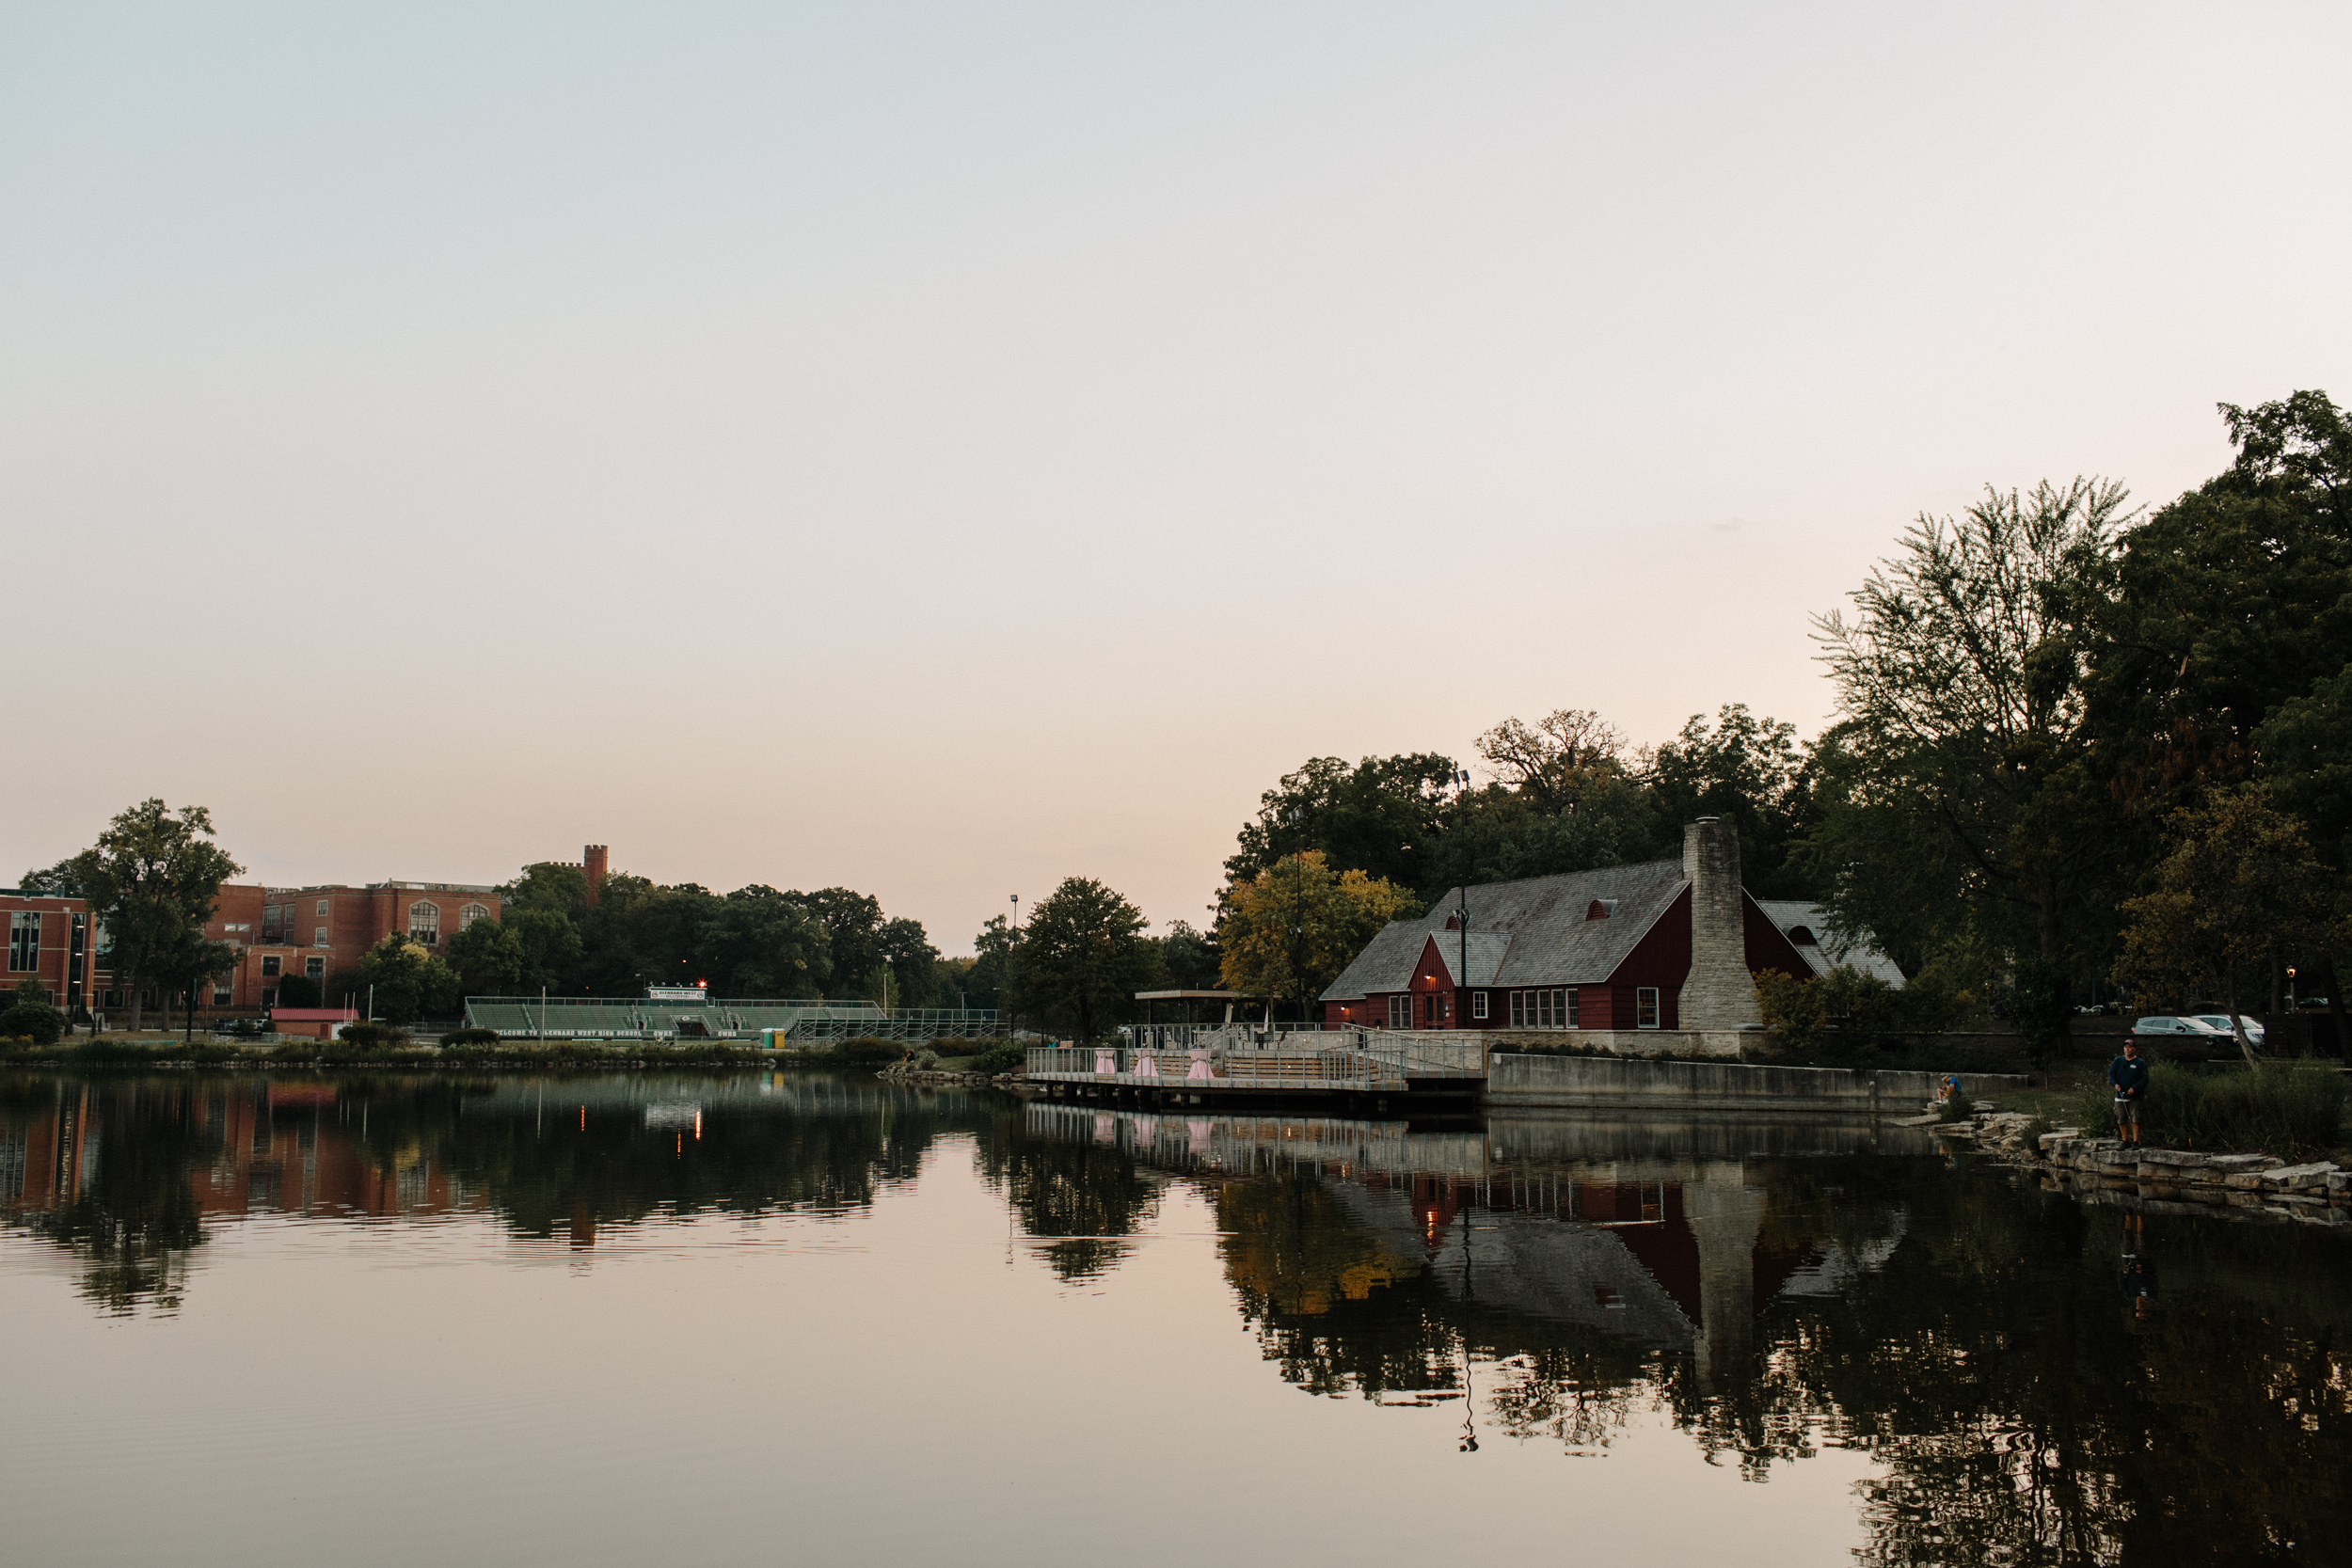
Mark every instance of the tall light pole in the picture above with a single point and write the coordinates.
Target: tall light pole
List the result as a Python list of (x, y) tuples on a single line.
[(1461, 786), (1298, 913)]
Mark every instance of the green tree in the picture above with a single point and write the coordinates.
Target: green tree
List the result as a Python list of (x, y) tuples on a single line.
[(1288, 930), (409, 982), (1749, 771), (2241, 894), (1081, 959), (983, 983), (488, 960), (758, 941), (154, 878), (1961, 678), (1379, 817), (853, 923), (1190, 959), (2230, 602), (297, 991), (2304, 752)]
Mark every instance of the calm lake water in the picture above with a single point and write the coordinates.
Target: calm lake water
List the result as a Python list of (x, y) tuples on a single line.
[(811, 1320)]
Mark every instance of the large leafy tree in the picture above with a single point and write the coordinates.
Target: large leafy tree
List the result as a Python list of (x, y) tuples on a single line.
[(1287, 932), (1081, 959), (758, 941), (1379, 817), (2240, 896), (1749, 771), (487, 956), (2230, 602), (1961, 675), (407, 983), (154, 877)]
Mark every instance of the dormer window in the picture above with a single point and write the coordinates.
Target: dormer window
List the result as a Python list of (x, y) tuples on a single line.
[(1803, 936), (1600, 909)]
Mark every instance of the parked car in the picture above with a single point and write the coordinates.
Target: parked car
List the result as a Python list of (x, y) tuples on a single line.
[(243, 1029), (2219, 1025), (2162, 1024)]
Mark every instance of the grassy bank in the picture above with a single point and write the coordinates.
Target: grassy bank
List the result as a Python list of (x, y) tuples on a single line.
[(2282, 1107), (392, 1048)]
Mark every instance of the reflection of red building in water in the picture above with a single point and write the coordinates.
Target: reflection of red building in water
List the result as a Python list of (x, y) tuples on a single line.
[(275, 1147)]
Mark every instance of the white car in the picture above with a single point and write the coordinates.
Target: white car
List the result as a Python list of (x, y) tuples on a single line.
[(2195, 1028), (2219, 1025)]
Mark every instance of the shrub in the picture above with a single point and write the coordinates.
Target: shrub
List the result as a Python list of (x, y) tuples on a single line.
[(865, 1051), (107, 1051), (37, 1021), (1003, 1056), (371, 1036), (471, 1036)]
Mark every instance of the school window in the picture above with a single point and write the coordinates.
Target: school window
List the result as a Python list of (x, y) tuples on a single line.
[(1478, 1005), (1554, 1007), (224, 992), (314, 968), (1645, 1007), (318, 937), (269, 996), (23, 940), (471, 913), (424, 923), (322, 908), (270, 962)]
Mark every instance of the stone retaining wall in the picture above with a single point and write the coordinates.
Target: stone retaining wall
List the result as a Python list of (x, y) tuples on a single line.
[(1589, 1082)]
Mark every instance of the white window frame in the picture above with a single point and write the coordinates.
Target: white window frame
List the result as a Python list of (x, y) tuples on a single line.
[(428, 933), (272, 965), (321, 911), (1646, 1010), (318, 937), (314, 969), (224, 993), (1478, 1006)]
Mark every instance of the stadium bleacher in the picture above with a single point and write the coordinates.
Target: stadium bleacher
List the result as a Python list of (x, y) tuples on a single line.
[(640, 1018)]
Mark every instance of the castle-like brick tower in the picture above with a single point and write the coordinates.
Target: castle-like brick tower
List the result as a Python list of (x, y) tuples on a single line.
[(595, 859)]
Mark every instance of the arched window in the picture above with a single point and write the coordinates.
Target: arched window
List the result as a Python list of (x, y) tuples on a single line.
[(424, 923), (1802, 936), (471, 913), (1600, 909)]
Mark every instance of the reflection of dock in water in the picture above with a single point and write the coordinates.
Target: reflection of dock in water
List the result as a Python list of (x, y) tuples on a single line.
[(1648, 1230)]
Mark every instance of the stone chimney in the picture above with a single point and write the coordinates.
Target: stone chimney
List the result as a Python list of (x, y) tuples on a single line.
[(1719, 993), (596, 858)]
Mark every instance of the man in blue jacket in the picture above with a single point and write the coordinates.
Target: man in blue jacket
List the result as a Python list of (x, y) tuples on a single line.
[(2129, 1074)]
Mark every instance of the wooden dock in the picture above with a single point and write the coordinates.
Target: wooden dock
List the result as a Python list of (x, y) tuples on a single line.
[(1185, 1065)]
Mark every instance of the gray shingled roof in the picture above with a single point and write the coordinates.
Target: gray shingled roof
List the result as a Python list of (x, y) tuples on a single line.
[(1538, 925), (1862, 954)]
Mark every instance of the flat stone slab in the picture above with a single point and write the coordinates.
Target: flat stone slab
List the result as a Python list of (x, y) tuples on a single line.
[(2296, 1178), (2230, 1165)]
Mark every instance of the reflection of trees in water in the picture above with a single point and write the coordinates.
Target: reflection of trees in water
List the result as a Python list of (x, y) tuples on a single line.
[(1088, 1193), (104, 1173), (592, 1161), (1985, 1359)]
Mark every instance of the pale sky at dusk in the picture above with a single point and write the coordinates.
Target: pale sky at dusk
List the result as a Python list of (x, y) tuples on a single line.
[(943, 448)]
